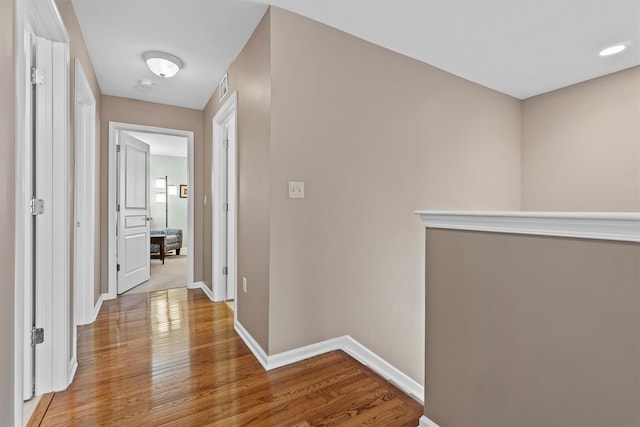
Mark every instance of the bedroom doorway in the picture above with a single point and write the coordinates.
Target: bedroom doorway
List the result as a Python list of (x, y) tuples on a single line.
[(174, 266), (168, 194)]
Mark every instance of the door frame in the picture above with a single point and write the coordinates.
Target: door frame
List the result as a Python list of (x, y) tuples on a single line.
[(42, 19), (114, 128), (228, 112), (84, 192)]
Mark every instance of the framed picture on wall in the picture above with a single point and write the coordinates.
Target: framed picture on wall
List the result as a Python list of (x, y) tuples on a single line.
[(184, 191)]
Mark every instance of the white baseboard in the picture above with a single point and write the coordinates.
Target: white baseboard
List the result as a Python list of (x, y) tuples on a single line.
[(71, 370), (345, 343), (204, 288), (383, 368), (96, 309), (426, 422), (253, 345), (302, 353), (28, 407)]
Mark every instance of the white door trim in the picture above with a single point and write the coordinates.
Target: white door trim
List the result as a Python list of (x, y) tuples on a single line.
[(42, 19), (85, 178), (228, 113), (114, 127)]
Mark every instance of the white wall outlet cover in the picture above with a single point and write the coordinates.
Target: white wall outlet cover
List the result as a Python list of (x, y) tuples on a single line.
[(296, 190)]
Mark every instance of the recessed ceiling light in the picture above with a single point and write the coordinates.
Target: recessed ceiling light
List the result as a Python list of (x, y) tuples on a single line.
[(612, 50), (162, 64)]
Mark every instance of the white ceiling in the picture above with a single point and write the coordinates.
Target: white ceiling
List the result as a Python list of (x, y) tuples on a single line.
[(163, 145), (518, 47), (206, 35)]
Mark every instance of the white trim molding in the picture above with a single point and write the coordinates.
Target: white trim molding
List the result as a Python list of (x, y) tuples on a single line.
[(345, 343), (253, 345), (620, 226), (205, 289), (426, 422), (97, 307), (71, 370), (114, 128), (84, 198), (386, 370), (301, 353), (224, 177)]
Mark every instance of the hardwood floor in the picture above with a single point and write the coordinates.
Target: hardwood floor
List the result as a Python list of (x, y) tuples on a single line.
[(172, 358)]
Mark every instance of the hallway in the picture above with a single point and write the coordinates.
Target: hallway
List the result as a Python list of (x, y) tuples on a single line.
[(172, 358)]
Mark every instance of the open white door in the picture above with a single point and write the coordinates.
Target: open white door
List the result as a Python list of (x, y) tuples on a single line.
[(51, 332), (133, 212), (42, 244)]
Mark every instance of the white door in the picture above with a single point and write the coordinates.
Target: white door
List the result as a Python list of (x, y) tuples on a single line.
[(230, 197), (224, 185), (224, 215), (46, 352), (41, 211), (29, 225), (133, 213), (227, 190)]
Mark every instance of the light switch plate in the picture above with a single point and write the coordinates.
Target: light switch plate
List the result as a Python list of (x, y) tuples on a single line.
[(296, 190)]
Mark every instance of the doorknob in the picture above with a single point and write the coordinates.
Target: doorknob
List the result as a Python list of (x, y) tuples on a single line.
[(148, 218)]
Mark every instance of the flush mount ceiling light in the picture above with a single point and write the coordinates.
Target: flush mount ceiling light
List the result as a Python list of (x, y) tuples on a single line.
[(162, 64), (612, 50)]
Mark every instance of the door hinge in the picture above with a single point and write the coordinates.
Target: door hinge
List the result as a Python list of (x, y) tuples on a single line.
[(117, 267), (118, 207), (37, 206), (37, 336), (224, 271), (225, 143), (37, 76), (118, 148), (225, 207)]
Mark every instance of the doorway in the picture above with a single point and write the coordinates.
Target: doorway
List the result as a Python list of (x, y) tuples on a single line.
[(118, 131), (225, 201), (169, 194), (85, 303)]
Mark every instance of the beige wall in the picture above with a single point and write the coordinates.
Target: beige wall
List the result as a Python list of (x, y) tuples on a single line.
[(116, 109), (250, 76), (581, 146), (531, 331), (7, 201), (375, 136)]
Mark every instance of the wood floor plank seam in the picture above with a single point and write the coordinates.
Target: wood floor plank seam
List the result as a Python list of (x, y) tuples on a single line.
[(173, 358)]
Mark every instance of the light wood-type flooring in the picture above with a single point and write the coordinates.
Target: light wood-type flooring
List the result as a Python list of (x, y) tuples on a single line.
[(172, 358)]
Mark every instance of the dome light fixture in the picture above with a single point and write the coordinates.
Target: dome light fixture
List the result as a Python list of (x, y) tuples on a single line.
[(612, 50), (162, 64)]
